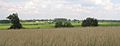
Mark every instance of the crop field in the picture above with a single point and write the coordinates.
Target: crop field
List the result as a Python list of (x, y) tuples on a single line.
[(78, 36)]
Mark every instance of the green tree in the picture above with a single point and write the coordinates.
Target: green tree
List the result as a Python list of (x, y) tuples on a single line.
[(62, 22), (14, 19), (67, 24), (59, 24), (90, 22)]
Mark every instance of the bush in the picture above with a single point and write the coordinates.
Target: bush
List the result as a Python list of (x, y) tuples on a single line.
[(68, 24), (60, 22), (90, 22)]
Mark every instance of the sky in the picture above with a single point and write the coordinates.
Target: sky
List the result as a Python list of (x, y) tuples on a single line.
[(71, 9)]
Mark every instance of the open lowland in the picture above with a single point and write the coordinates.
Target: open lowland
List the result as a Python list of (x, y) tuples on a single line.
[(34, 25), (78, 36)]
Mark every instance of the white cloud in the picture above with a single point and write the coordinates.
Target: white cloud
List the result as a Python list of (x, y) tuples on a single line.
[(102, 2), (61, 8)]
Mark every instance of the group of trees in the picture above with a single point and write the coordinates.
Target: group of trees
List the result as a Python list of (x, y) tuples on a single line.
[(59, 22), (90, 22)]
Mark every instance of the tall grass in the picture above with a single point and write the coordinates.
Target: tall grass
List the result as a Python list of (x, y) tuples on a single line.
[(88, 36)]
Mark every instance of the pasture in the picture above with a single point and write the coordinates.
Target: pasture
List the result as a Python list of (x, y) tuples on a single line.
[(44, 24), (34, 25), (78, 36)]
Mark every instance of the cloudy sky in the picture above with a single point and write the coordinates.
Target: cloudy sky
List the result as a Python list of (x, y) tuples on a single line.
[(71, 9)]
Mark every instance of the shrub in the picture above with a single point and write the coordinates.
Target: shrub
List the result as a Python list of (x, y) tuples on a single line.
[(68, 24), (90, 22), (61, 22)]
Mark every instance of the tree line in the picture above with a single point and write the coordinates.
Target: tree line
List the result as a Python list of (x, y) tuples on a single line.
[(59, 22)]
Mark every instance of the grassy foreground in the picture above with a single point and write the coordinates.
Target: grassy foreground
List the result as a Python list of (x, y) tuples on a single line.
[(88, 36)]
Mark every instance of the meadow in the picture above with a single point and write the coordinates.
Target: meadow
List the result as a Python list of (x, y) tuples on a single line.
[(78, 36), (45, 34), (34, 25), (47, 25)]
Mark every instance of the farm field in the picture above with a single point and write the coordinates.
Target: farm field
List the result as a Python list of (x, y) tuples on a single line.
[(78, 36), (33, 25)]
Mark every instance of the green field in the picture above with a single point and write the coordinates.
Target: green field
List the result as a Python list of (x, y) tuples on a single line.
[(33, 25), (109, 23)]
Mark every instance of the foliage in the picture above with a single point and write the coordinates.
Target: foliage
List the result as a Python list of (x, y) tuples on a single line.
[(90, 22), (4, 21), (68, 24), (61, 22), (15, 21)]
